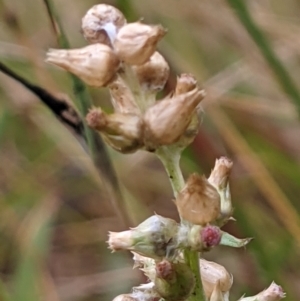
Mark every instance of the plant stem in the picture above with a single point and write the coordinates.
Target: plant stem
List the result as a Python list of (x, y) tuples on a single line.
[(170, 157)]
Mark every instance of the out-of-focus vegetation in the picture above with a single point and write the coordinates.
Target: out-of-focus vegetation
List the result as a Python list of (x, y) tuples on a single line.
[(56, 210)]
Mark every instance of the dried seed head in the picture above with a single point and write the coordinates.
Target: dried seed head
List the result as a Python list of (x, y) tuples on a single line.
[(101, 24), (198, 202), (220, 174), (174, 281), (122, 97), (273, 293), (211, 274), (152, 238), (136, 42), (153, 74), (121, 131), (185, 83), (167, 120), (95, 64)]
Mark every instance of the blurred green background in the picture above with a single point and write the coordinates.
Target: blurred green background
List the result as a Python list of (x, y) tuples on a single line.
[(55, 210)]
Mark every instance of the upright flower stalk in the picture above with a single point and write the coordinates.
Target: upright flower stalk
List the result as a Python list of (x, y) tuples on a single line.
[(123, 57)]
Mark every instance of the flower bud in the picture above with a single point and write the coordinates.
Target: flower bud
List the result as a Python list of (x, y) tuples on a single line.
[(198, 202), (167, 120), (213, 274), (101, 24), (153, 74), (174, 281), (203, 238), (95, 64), (185, 83), (220, 174), (136, 42), (219, 179), (122, 97), (121, 131), (217, 294), (273, 293), (152, 238)]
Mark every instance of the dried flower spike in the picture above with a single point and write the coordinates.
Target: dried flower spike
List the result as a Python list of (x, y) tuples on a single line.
[(136, 42), (153, 74), (95, 64), (101, 24), (198, 202)]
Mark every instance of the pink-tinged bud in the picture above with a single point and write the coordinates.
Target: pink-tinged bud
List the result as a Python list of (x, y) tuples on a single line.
[(167, 120), (198, 202), (121, 131), (136, 42), (273, 293), (152, 238), (122, 97), (199, 238), (174, 281), (101, 24), (165, 270), (185, 83), (213, 274), (95, 64), (153, 74), (210, 236)]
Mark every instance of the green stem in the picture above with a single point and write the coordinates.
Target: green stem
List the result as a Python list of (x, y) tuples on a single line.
[(170, 157)]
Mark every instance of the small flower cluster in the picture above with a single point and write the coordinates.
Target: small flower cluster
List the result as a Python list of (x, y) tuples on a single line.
[(123, 57)]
